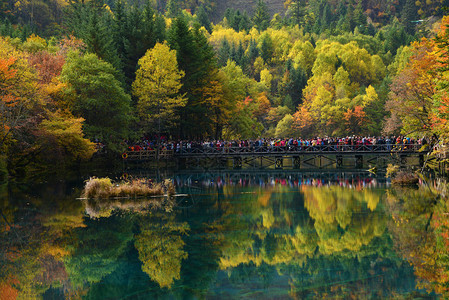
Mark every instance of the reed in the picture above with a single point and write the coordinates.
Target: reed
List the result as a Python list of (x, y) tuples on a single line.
[(98, 188)]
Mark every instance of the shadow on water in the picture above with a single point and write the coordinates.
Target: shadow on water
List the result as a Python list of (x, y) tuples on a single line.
[(227, 235)]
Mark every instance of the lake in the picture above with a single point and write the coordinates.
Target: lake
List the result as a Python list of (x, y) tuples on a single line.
[(228, 235)]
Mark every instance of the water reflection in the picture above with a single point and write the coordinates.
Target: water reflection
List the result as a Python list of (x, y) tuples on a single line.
[(420, 226), (242, 236), (285, 178)]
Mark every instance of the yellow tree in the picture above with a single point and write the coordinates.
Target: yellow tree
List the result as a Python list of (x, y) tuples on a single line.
[(62, 135), (157, 85), (220, 108)]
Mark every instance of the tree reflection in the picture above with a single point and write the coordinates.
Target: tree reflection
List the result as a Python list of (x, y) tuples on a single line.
[(420, 226), (33, 239), (160, 247), (344, 219), (315, 241), (336, 220), (96, 249)]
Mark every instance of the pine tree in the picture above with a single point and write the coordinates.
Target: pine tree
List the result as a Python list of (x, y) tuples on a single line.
[(203, 18), (229, 15), (245, 22), (159, 28), (236, 21), (120, 30), (326, 18), (240, 56), (261, 18), (359, 17), (253, 52), (197, 59), (296, 12), (349, 18), (223, 52), (409, 15), (172, 10), (92, 23), (99, 39)]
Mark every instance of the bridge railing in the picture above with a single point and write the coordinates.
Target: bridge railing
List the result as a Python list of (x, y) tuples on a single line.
[(380, 148), (258, 150), (147, 154)]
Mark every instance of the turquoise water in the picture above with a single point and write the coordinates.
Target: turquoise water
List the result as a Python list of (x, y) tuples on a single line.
[(227, 236)]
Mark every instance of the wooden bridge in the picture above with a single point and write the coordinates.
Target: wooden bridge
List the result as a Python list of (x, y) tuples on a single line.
[(287, 157)]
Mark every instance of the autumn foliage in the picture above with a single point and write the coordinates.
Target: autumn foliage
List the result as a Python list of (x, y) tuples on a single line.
[(30, 99), (418, 101)]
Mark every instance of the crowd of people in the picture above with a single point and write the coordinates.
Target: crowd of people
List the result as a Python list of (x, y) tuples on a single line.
[(349, 143)]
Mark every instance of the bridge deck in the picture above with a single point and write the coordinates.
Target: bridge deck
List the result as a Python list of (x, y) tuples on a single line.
[(229, 152)]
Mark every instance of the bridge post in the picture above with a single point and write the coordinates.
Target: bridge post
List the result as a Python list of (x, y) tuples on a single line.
[(296, 162), (237, 162), (403, 159), (279, 162), (421, 160), (339, 160), (181, 163), (359, 161)]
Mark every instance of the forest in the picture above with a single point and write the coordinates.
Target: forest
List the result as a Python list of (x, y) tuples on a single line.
[(80, 78)]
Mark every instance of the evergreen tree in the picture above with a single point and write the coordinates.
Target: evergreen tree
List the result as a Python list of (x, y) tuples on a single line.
[(317, 26), (139, 38), (197, 59), (92, 23), (266, 48), (159, 28), (341, 9), (370, 30), (292, 84), (203, 18), (234, 23), (296, 12), (134, 34), (223, 53), (359, 17), (261, 18), (99, 39), (253, 53), (229, 15), (245, 22), (396, 37), (349, 23), (409, 16), (233, 54), (172, 10), (326, 18), (240, 56)]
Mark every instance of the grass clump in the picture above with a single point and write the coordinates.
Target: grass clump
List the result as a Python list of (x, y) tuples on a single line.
[(405, 178), (401, 177), (97, 188)]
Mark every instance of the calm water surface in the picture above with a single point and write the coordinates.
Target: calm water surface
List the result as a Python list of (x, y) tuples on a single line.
[(231, 236)]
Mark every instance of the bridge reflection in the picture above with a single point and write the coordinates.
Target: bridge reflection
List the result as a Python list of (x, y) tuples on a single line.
[(215, 179)]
